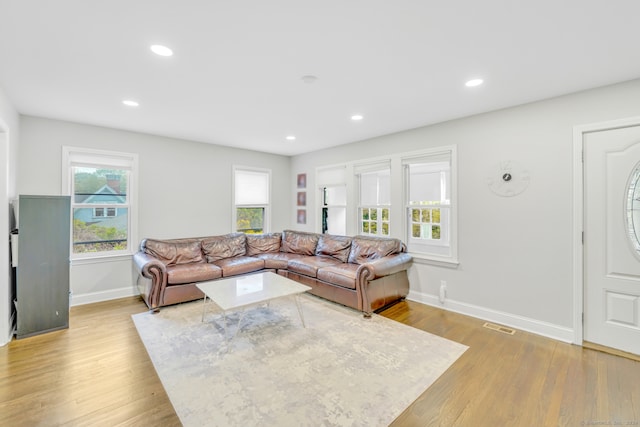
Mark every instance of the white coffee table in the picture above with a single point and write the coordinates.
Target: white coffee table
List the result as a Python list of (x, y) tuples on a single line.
[(243, 291)]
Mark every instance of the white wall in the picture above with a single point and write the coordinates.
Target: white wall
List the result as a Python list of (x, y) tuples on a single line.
[(9, 122), (515, 252), (184, 189)]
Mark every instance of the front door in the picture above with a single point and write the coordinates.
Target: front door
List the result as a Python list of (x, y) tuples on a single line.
[(611, 246)]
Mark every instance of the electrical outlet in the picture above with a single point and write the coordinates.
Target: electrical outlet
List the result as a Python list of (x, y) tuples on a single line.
[(443, 291)]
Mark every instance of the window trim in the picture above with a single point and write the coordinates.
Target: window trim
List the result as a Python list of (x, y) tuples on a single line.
[(334, 175), (368, 168), (89, 157), (451, 259), (398, 221), (324, 206), (267, 208)]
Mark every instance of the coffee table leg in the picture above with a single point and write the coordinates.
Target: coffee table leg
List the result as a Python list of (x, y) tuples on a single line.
[(300, 311), (224, 319), (237, 327), (204, 302)]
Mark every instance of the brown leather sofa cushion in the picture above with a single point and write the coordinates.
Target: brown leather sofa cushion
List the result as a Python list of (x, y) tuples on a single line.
[(337, 247), (341, 274), (221, 247), (174, 253), (263, 243), (278, 260), (309, 265), (239, 265), (365, 249), (188, 273), (299, 242)]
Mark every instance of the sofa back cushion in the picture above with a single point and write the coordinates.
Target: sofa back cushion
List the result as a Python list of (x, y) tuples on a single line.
[(298, 242), (263, 243), (337, 247), (174, 252), (228, 246), (365, 249)]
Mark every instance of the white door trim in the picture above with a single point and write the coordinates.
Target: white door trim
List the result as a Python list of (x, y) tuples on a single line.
[(6, 326), (578, 215)]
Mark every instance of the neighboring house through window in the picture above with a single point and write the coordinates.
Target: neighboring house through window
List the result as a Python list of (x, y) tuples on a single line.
[(251, 212), (101, 186)]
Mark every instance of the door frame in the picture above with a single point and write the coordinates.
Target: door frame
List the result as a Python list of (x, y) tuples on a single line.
[(578, 215), (6, 302)]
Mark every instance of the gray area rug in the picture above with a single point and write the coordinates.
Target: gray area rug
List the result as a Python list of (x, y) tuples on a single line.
[(342, 370)]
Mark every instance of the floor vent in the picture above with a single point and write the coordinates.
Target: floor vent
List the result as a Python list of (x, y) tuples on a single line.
[(499, 328)]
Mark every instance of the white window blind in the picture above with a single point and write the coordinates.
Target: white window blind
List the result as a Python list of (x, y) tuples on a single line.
[(434, 179), (375, 183), (251, 187)]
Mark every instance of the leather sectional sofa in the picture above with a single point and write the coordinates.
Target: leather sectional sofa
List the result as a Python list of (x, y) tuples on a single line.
[(365, 273)]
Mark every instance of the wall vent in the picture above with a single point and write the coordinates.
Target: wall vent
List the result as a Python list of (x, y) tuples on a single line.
[(499, 328)]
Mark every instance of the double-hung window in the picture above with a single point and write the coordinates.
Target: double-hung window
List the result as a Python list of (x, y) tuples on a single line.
[(251, 200), (101, 185), (429, 204), (334, 209), (332, 184), (374, 187)]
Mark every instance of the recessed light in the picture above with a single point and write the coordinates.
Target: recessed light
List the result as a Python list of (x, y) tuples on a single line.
[(291, 138), (474, 83), (356, 117), (161, 50), (131, 103)]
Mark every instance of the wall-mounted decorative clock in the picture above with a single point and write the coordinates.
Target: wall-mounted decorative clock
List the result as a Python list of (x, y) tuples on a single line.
[(508, 178)]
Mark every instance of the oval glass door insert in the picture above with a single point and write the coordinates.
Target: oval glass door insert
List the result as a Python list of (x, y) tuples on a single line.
[(633, 208)]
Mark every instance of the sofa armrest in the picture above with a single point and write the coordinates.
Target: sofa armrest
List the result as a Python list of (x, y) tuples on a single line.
[(155, 272), (370, 271), (386, 266)]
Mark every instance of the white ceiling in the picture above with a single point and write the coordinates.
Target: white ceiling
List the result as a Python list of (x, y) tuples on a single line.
[(235, 78)]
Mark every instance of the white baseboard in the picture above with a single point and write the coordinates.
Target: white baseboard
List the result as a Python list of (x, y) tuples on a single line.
[(545, 329), (81, 299)]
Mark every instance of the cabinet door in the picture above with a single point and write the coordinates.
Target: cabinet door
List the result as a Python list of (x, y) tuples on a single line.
[(43, 264)]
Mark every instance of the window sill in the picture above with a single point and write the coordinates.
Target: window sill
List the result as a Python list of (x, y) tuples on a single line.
[(434, 260), (99, 259)]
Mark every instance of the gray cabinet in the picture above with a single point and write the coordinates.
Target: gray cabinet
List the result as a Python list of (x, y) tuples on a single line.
[(42, 282)]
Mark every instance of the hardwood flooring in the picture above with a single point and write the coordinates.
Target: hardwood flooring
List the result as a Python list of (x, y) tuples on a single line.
[(97, 373), (519, 380)]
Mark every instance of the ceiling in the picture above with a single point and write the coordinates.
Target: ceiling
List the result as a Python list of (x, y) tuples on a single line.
[(235, 77)]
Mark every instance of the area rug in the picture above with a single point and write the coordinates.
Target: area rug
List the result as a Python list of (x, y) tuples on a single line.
[(341, 370)]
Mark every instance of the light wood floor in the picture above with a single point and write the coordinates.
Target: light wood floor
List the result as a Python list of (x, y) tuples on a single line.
[(97, 373)]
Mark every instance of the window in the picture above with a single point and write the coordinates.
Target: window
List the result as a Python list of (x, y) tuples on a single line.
[(101, 187), (374, 185), (104, 212), (334, 209), (251, 200), (428, 204), (410, 196), (332, 184)]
